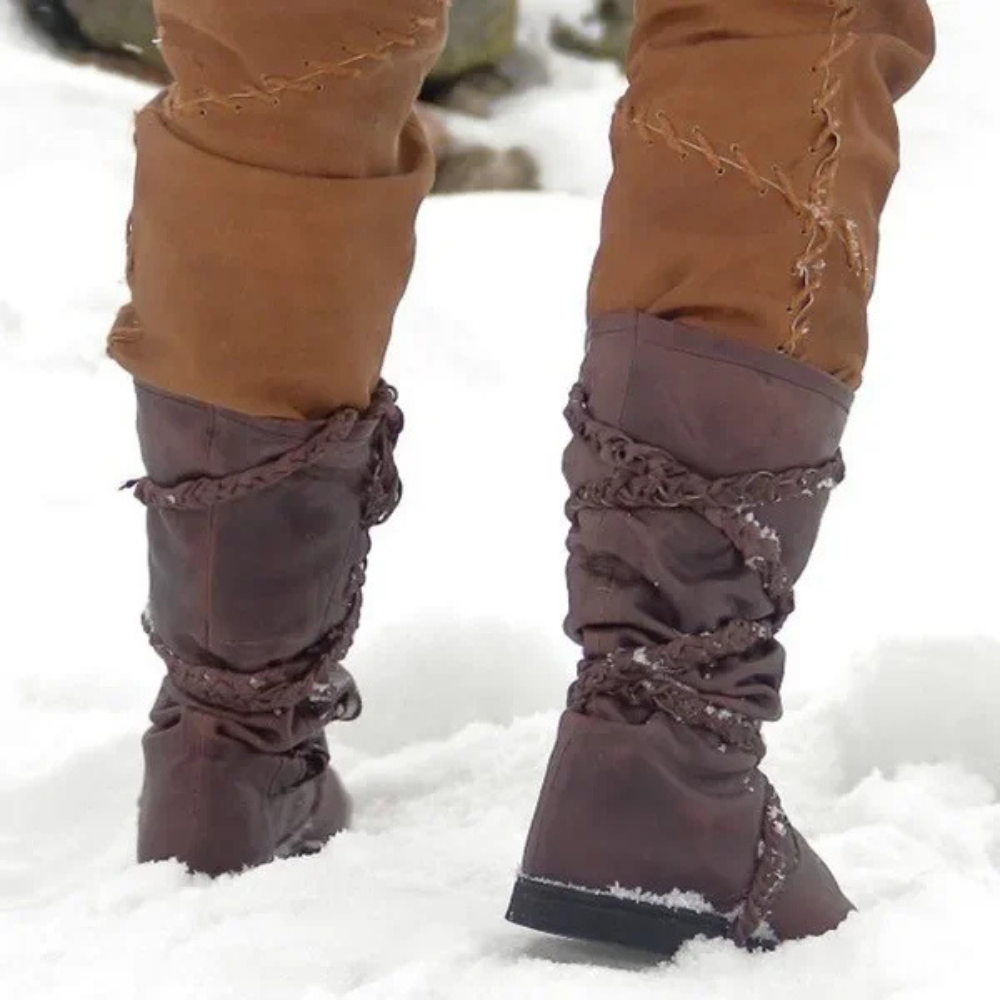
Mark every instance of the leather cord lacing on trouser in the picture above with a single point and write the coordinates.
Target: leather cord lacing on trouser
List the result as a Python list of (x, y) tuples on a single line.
[(314, 677), (658, 677)]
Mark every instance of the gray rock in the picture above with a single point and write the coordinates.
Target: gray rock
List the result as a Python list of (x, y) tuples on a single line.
[(483, 32), (604, 34), (483, 169), (118, 25), (475, 93)]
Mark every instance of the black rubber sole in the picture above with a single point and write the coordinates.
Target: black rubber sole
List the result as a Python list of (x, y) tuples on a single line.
[(591, 916)]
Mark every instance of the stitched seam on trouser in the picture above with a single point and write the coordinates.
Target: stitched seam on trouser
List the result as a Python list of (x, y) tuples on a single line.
[(664, 129), (821, 225), (270, 87)]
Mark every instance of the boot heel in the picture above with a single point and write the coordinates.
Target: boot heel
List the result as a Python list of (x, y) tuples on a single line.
[(598, 916)]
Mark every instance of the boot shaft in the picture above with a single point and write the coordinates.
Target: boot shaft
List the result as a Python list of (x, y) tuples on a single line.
[(258, 542), (699, 472)]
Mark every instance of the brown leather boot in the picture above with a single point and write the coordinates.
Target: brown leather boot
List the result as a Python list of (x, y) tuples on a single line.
[(258, 541), (699, 472), (753, 153), (270, 241)]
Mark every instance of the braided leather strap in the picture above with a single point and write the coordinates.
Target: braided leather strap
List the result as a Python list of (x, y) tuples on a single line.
[(660, 677), (777, 857), (385, 491), (314, 677)]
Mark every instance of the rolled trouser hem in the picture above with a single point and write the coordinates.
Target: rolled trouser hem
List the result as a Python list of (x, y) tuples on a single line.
[(264, 292)]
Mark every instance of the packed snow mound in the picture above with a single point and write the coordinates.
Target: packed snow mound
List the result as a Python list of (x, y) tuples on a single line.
[(889, 756)]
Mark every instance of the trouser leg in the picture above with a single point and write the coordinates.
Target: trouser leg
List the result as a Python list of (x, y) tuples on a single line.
[(754, 151), (277, 185)]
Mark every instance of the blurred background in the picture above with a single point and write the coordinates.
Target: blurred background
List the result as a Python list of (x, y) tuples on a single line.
[(499, 54)]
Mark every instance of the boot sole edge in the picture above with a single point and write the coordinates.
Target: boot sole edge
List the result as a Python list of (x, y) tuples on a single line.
[(569, 912)]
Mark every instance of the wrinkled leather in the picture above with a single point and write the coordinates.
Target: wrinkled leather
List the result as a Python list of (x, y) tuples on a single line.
[(221, 806), (753, 154), (237, 588), (633, 797)]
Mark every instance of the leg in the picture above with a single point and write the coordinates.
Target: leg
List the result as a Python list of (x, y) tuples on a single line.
[(270, 242), (753, 155), (277, 185)]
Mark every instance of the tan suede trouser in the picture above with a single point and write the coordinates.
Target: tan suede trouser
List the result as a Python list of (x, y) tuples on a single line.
[(277, 187), (278, 182)]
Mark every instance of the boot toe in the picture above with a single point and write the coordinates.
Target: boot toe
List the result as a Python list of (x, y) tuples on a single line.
[(220, 807)]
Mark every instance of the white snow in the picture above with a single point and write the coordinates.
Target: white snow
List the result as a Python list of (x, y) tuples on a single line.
[(889, 757)]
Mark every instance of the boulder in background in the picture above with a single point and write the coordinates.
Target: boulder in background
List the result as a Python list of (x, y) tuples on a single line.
[(483, 32), (604, 34), (118, 25)]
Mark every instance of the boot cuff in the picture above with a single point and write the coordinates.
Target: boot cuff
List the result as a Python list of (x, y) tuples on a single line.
[(698, 343)]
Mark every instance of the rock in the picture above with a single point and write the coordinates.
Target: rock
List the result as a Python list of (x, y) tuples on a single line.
[(118, 25), (53, 18), (438, 134), (483, 169), (523, 70), (475, 93), (482, 33), (604, 34)]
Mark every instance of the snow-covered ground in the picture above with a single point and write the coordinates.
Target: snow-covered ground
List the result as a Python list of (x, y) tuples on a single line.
[(889, 756)]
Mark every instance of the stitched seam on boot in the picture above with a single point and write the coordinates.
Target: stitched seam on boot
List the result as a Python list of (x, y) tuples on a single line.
[(823, 226), (269, 88), (609, 586), (209, 592), (544, 819)]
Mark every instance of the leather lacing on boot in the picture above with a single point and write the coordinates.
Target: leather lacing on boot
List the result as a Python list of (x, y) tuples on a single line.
[(660, 677), (315, 677)]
